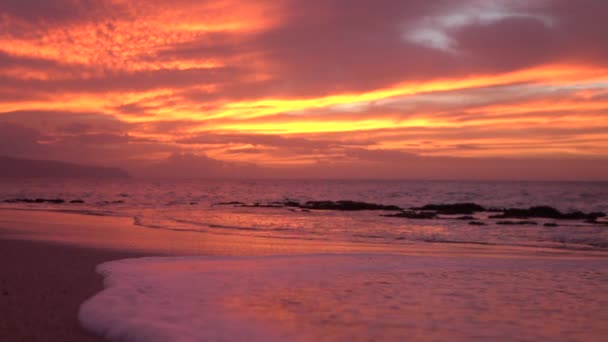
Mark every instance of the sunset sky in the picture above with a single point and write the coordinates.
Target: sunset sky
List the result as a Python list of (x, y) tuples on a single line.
[(320, 88)]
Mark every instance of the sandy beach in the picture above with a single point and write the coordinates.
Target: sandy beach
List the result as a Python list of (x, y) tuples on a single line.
[(48, 261), (43, 284)]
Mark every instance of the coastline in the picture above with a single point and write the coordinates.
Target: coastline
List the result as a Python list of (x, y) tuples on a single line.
[(42, 286), (48, 261)]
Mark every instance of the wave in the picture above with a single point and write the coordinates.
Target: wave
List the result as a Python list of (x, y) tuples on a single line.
[(342, 297), (563, 242), (91, 212)]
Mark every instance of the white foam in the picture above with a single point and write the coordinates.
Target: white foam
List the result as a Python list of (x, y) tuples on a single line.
[(347, 297)]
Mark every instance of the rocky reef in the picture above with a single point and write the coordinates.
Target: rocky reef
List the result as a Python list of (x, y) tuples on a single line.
[(507, 216)]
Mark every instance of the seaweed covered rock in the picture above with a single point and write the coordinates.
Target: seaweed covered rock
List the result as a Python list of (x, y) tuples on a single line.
[(230, 203), (317, 205), (517, 223), (546, 212), (426, 215), (477, 223), (346, 206), (37, 200), (452, 208), (465, 218)]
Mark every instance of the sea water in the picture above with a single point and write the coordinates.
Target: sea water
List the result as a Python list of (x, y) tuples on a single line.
[(350, 298), (192, 205), (335, 297)]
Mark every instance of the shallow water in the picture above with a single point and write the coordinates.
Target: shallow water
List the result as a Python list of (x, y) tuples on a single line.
[(350, 297), (190, 205)]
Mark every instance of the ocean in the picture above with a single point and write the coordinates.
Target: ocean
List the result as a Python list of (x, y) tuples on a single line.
[(195, 205), (551, 284)]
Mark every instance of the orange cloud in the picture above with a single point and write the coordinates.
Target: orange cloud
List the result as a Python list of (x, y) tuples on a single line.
[(313, 70)]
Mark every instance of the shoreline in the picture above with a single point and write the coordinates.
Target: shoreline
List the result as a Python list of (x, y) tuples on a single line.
[(42, 286), (121, 233), (48, 261)]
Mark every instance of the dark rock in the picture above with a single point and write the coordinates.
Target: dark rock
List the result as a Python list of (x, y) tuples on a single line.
[(452, 208), (230, 203), (258, 205), (291, 204), (596, 221), (318, 205), (346, 206), (545, 212), (464, 218), (77, 201), (477, 223), (37, 200), (114, 202), (414, 215), (517, 223), (551, 224)]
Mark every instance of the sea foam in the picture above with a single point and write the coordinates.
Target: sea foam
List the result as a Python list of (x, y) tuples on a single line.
[(348, 297)]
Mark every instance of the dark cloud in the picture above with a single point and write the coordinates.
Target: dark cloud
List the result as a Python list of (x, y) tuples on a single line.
[(324, 47), (75, 128), (98, 139), (268, 140), (207, 45), (17, 140), (188, 165), (571, 33), (74, 141), (167, 126), (51, 10), (114, 81), (510, 44), (247, 150), (8, 61), (67, 121), (581, 26), (135, 109), (380, 155)]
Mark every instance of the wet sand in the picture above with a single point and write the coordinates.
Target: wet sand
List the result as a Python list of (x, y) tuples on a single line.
[(48, 260), (120, 233), (42, 286)]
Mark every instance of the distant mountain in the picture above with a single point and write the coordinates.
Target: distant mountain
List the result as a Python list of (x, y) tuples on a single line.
[(14, 168)]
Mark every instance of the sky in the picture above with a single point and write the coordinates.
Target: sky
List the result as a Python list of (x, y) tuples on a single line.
[(446, 89)]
